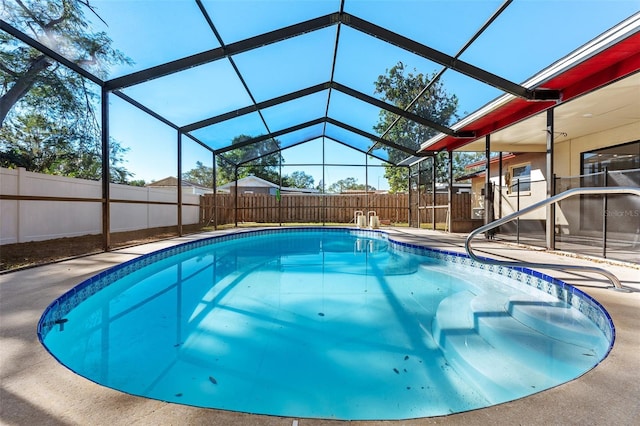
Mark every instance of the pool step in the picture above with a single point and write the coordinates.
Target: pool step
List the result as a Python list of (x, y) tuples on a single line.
[(555, 319), (480, 339), (561, 353)]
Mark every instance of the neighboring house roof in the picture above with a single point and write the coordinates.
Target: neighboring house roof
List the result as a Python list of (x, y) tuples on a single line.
[(492, 160), (249, 181), (468, 176), (172, 181), (252, 181), (483, 164)]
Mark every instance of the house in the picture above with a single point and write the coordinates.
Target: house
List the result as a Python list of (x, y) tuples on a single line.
[(588, 137), (457, 188), (187, 186), (518, 180), (255, 185)]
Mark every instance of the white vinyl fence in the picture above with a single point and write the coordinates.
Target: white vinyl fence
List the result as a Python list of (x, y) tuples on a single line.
[(36, 220)]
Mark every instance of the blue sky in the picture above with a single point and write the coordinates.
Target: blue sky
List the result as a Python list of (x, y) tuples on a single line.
[(528, 36)]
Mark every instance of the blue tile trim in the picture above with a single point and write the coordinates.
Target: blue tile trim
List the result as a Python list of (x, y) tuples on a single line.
[(579, 300)]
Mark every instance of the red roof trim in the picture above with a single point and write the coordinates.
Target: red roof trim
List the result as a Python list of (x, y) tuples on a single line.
[(614, 63)]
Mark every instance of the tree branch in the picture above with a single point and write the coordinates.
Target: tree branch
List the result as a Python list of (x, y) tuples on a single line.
[(93, 10), (30, 14), (7, 70), (66, 13), (22, 86)]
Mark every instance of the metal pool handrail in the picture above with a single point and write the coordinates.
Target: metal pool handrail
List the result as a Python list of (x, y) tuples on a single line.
[(551, 200)]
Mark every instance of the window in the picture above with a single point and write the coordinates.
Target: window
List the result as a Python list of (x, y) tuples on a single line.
[(520, 173), (620, 157), (617, 165)]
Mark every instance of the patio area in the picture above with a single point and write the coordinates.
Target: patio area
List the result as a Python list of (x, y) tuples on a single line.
[(36, 389)]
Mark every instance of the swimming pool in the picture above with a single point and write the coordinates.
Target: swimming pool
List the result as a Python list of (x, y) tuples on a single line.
[(321, 322)]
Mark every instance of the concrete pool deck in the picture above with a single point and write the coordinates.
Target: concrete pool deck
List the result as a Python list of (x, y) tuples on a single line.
[(36, 389)]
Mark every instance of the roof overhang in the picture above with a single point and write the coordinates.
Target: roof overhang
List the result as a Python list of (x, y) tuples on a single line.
[(609, 58)]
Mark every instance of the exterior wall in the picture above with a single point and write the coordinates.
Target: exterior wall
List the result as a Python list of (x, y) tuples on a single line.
[(538, 190), (562, 158), (566, 164), (510, 200), (567, 153), (252, 190), (35, 220)]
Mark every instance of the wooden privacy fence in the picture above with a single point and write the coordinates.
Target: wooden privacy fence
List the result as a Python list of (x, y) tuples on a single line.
[(333, 208), (460, 207)]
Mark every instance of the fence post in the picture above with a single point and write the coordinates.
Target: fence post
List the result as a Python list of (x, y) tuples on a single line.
[(214, 213), (179, 183), (106, 173), (434, 164), (604, 215), (551, 214), (20, 191), (518, 209), (409, 197), (236, 197), (550, 210), (449, 218), (499, 186)]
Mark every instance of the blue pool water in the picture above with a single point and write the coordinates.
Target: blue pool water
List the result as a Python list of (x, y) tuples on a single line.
[(324, 323)]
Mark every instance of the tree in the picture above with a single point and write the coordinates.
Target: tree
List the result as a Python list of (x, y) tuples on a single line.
[(461, 159), (36, 143), (349, 183), (201, 174), (256, 159), (298, 179), (47, 111), (137, 182), (400, 87)]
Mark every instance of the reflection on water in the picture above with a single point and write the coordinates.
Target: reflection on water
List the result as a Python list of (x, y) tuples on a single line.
[(308, 324)]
